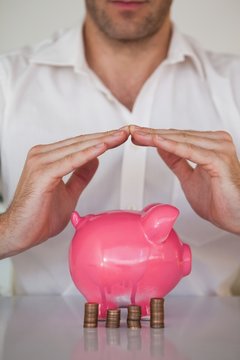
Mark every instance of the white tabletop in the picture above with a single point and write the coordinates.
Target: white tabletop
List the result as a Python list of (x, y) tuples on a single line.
[(51, 327)]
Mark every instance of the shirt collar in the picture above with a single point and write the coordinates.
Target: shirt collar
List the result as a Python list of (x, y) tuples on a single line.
[(182, 49), (66, 48)]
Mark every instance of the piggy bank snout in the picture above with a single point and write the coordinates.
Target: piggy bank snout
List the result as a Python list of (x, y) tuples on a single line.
[(187, 260)]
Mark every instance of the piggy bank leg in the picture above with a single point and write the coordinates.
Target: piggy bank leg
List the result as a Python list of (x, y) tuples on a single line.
[(103, 308), (145, 311), (107, 302), (102, 312), (145, 308), (133, 293)]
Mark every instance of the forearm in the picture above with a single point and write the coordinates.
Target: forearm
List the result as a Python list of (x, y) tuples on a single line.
[(8, 243), (16, 231)]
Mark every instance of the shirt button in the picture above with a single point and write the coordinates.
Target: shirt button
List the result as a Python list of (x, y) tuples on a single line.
[(109, 97)]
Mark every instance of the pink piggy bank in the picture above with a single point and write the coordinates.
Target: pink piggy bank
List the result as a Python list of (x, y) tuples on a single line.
[(120, 258)]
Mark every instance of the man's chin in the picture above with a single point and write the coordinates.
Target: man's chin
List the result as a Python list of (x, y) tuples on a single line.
[(122, 35), (125, 30)]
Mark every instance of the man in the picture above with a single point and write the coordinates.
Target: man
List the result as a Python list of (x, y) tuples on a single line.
[(130, 66)]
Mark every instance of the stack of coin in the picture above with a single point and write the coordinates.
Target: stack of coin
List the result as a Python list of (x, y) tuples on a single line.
[(91, 315), (157, 313), (113, 318), (134, 317)]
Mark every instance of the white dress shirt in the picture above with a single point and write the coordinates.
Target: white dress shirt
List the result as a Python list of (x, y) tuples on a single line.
[(48, 93)]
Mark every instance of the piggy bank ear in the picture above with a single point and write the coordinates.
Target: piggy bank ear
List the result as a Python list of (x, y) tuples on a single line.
[(148, 207), (75, 219), (158, 221)]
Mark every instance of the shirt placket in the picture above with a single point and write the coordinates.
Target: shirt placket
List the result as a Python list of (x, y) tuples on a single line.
[(135, 157)]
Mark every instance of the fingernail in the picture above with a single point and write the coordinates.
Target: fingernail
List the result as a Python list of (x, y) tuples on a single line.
[(118, 133), (135, 128), (124, 128)]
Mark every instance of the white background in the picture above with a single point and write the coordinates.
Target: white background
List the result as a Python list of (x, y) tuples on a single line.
[(215, 23)]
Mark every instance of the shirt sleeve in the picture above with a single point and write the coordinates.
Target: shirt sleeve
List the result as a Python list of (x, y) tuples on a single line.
[(234, 76), (229, 67), (2, 105), (232, 72)]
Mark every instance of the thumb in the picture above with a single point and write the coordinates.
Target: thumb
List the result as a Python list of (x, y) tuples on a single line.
[(180, 167), (81, 178)]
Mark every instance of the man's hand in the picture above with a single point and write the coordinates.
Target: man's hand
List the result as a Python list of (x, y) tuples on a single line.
[(43, 202), (212, 187)]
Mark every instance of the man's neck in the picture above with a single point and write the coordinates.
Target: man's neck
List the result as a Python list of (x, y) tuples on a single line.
[(125, 66)]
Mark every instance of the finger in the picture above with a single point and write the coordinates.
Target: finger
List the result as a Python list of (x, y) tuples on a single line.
[(218, 135), (200, 141), (221, 146), (68, 164), (142, 138), (111, 140), (180, 167), (207, 158), (211, 135), (81, 178), (81, 138)]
